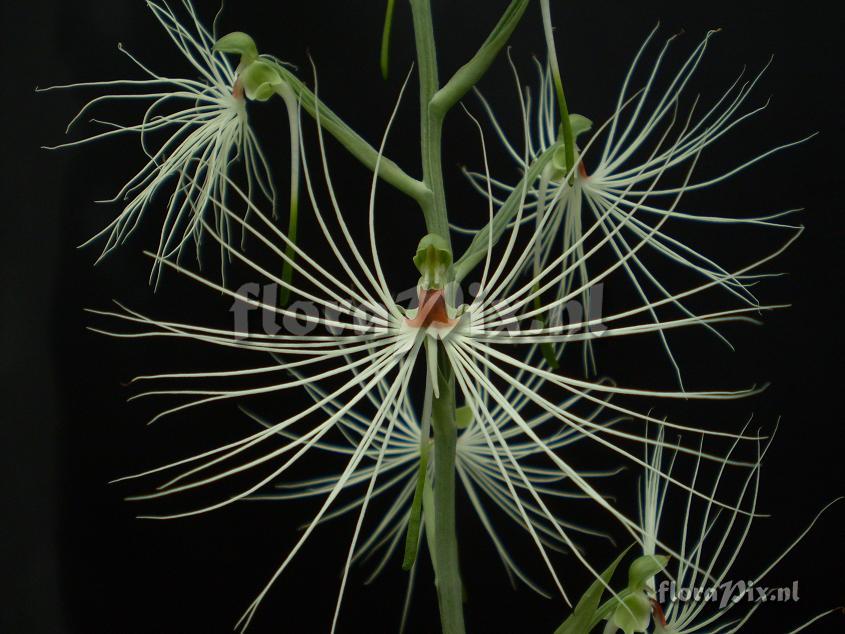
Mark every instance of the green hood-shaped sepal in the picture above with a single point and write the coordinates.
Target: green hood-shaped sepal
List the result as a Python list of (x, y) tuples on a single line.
[(580, 125), (643, 569), (633, 614), (238, 43), (260, 80), (433, 260)]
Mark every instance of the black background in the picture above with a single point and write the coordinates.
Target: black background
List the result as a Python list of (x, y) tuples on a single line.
[(74, 556)]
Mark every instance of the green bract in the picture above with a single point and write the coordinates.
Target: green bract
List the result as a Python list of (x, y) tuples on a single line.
[(239, 43), (584, 615), (433, 260)]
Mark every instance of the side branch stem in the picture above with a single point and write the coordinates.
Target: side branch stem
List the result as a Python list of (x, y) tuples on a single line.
[(389, 171), (468, 75), (477, 249)]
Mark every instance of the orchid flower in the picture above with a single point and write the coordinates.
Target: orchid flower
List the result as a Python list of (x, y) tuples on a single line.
[(482, 470), (710, 544), (370, 345), (204, 131), (572, 224), (625, 191)]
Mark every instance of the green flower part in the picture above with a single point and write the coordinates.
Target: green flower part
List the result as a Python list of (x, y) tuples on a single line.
[(238, 43), (433, 260), (633, 614), (260, 80), (643, 569), (580, 124)]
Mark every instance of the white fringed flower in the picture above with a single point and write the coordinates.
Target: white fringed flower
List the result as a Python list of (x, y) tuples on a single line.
[(634, 188), (479, 465), (367, 347), (193, 131), (710, 543)]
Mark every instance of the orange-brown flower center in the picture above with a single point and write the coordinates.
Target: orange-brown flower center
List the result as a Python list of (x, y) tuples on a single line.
[(238, 90), (432, 310), (657, 611), (582, 171)]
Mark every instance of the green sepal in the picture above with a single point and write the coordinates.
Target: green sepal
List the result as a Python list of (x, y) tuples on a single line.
[(433, 260), (260, 80), (238, 43), (643, 569), (558, 163), (580, 124), (463, 417), (633, 614), (583, 616), (412, 537)]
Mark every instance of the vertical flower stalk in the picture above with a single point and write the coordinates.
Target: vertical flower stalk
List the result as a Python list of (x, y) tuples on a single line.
[(449, 584), (445, 541)]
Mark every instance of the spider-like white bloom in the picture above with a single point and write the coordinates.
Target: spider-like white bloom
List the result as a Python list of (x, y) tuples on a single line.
[(479, 467), (368, 346), (202, 129), (626, 189), (710, 543)]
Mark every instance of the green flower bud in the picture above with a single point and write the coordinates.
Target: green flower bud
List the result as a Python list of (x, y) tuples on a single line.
[(633, 614), (433, 260), (238, 43), (260, 80), (643, 569)]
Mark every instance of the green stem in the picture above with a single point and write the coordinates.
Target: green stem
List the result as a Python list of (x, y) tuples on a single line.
[(352, 141), (293, 219), (468, 75), (412, 537), (431, 124), (547, 348), (445, 551), (566, 124), (477, 250)]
